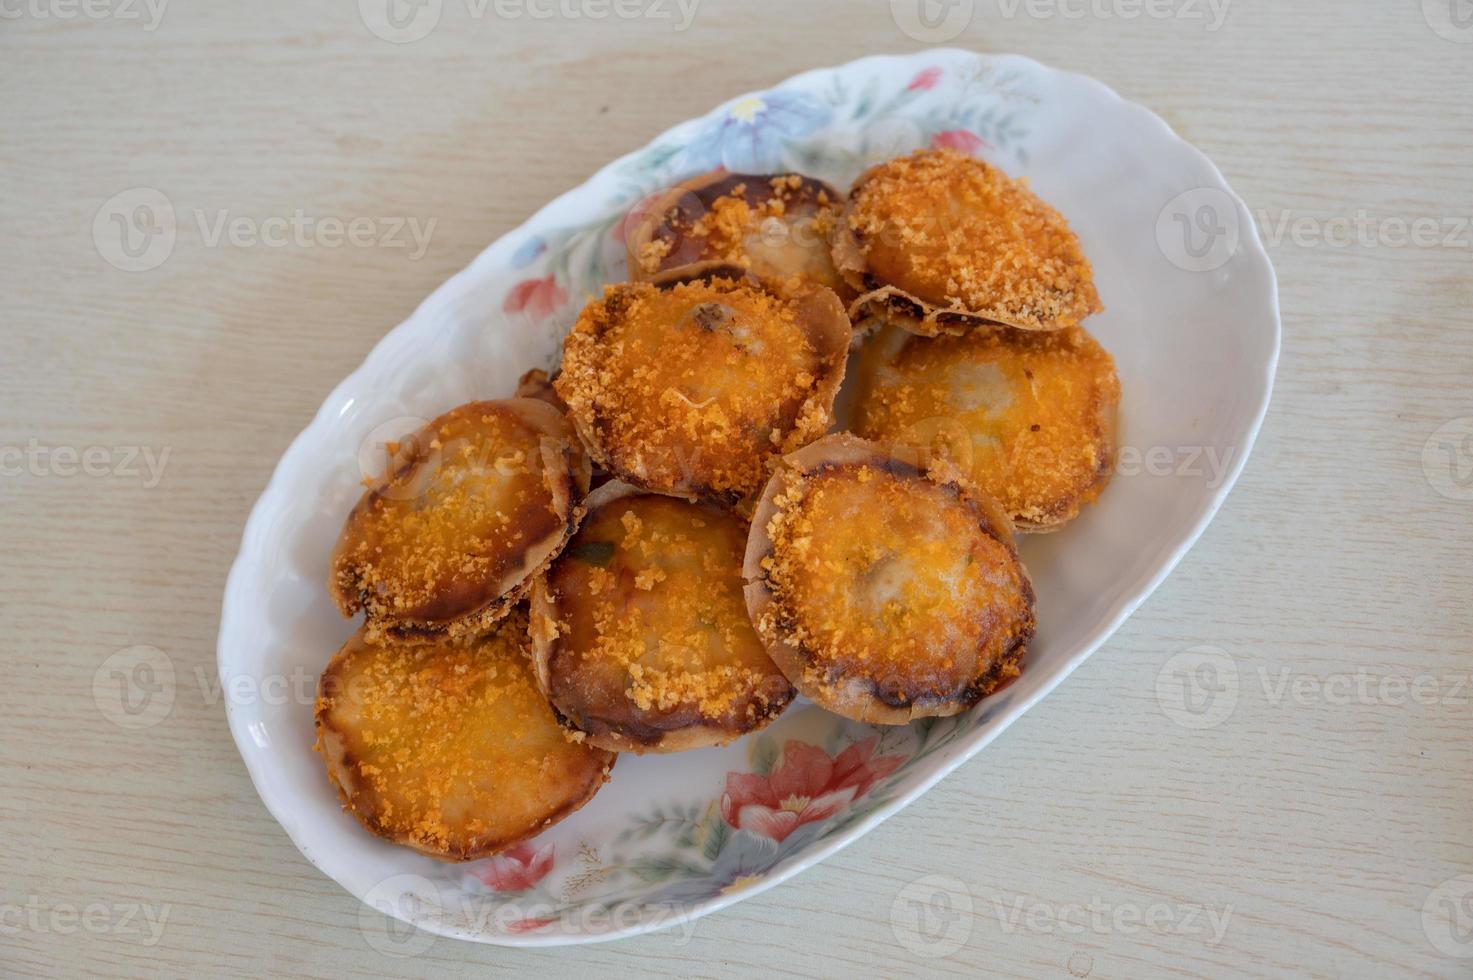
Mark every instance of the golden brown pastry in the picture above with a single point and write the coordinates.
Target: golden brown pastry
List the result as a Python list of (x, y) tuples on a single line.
[(1028, 417), (883, 592), (448, 747), (641, 632), (940, 242), (769, 225), (469, 507), (691, 388)]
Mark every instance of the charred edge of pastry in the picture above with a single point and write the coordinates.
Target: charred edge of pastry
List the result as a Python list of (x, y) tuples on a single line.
[(704, 272), (680, 736), (919, 317)]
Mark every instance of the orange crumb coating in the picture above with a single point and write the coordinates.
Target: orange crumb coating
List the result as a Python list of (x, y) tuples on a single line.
[(449, 747), (889, 595), (1028, 417), (692, 388), (772, 225), (641, 630), (967, 243), (469, 507)]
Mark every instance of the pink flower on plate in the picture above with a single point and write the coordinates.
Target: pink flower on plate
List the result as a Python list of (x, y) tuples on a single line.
[(958, 139), (528, 925), (925, 80), (516, 869), (538, 298), (806, 786)]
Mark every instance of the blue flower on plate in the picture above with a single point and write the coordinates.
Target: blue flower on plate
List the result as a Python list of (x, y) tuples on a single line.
[(750, 134), (745, 860), (528, 251)]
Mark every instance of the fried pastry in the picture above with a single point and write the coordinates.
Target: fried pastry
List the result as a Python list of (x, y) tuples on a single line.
[(772, 226), (1027, 416), (883, 592), (640, 629), (448, 747), (690, 388), (468, 509), (940, 242)]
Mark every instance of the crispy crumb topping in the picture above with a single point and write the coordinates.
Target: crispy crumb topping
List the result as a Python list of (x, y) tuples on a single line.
[(469, 500), (693, 388), (1027, 416), (958, 234), (881, 575), (652, 628), (449, 746)]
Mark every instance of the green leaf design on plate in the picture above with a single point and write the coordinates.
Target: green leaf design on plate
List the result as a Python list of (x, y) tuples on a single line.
[(660, 867), (717, 834), (764, 755)]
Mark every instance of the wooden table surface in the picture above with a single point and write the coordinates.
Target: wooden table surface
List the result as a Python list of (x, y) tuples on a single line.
[(1324, 827)]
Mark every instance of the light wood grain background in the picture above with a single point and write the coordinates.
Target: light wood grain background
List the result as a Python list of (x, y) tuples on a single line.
[(1316, 821)]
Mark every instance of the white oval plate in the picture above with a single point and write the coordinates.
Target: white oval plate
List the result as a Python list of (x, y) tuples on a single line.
[(1191, 318)]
